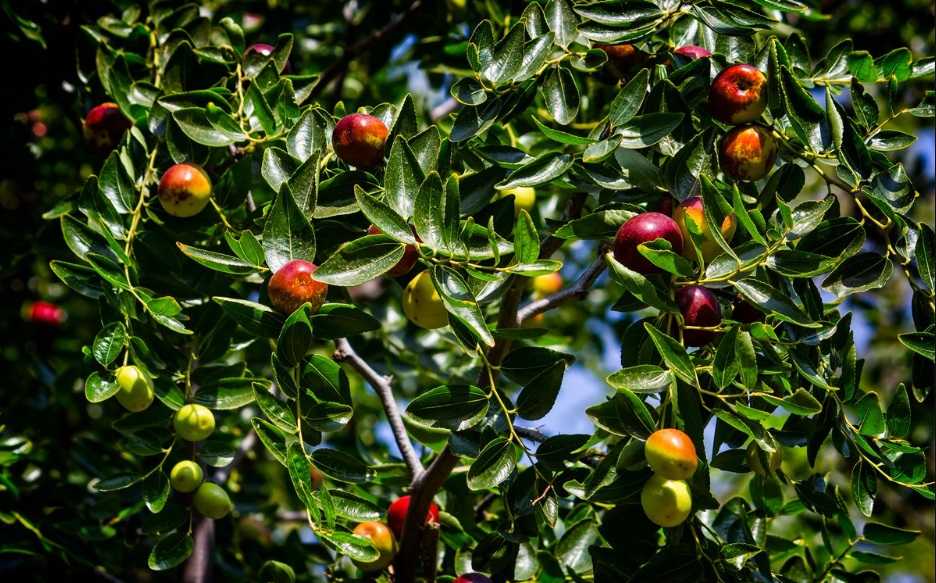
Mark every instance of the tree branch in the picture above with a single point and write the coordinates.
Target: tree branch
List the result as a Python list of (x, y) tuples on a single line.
[(198, 567), (425, 485), (344, 352), (335, 69), (576, 292)]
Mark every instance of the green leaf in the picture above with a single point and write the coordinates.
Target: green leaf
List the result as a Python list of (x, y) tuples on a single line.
[(436, 213), (97, 389), (642, 287), (883, 534), (860, 273), (449, 403), (773, 300), (223, 394), (539, 395), (799, 403), (494, 464), (642, 378), (725, 367), (542, 170), (355, 547), (271, 438), (864, 487), (287, 233), (340, 320), (923, 343), (383, 217), (360, 261), (460, 302), (926, 255), (109, 343), (674, 354), (80, 278), (278, 412), (898, 414), (574, 549), (170, 552), (646, 130), (217, 261), (256, 319), (297, 464), (156, 491), (402, 179), (115, 185), (627, 102), (561, 21), (561, 94), (295, 338), (507, 57), (217, 131), (341, 466)]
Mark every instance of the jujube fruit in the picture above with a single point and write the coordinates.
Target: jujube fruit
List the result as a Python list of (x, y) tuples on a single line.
[(406, 263), (359, 139), (42, 312), (382, 539), (644, 228), (265, 50), (194, 422), (422, 304), (738, 94), (472, 578), (524, 198), (184, 190), (623, 58), (693, 209), (396, 514), (745, 313), (699, 307), (186, 476), (104, 125), (748, 152), (692, 52), (666, 503), (293, 285), (212, 500), (671, 454), (544, 285), (136, 390)]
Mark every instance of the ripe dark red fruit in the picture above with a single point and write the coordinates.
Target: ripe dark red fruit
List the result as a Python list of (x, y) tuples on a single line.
[(748, 152), (396, 514), (105, 125), (745, 313), (293, 285), (406, 263), (738, 94), (44, 313), (472, 578), (693, 52), (699, 307), (644, 228), (359, 140), (623, 58)]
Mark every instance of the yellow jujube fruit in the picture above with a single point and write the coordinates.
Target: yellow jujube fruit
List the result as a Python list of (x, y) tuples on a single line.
[(212, 500), (136, 390), (422, 304), (194, 422), (666, 502), (185, 476)]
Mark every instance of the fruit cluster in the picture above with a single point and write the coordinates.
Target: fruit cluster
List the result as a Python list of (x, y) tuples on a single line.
[(666, 498)]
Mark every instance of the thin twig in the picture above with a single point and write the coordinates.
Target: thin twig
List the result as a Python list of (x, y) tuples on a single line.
[(577, 291), (345, 353), (335, 69)]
